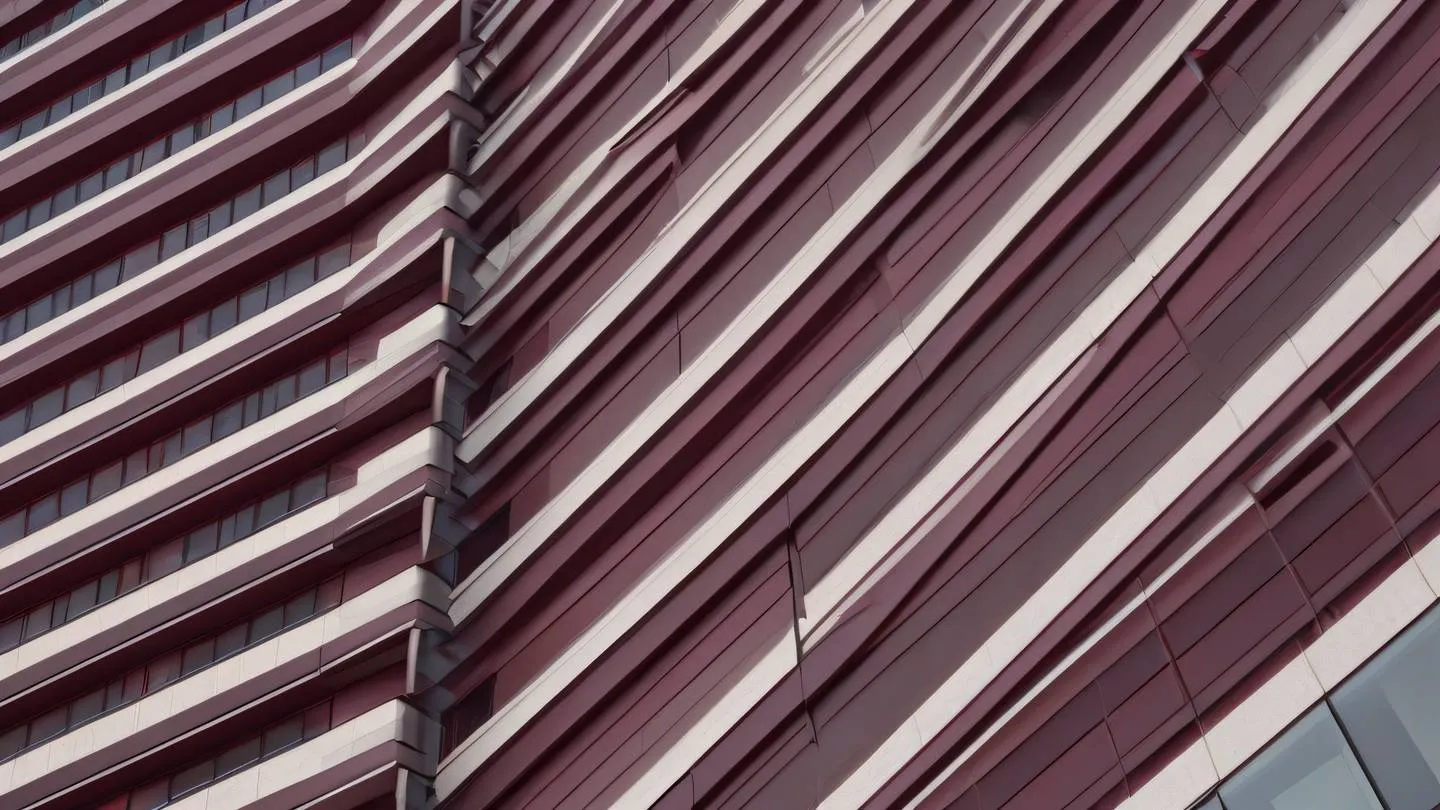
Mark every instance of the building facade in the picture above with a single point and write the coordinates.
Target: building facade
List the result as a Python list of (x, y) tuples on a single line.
[(773, 404)]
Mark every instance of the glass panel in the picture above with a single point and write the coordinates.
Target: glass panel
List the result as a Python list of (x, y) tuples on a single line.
[(246, 204), (47, 725), (87, 707), (82, 598), (277, 186), (74, 497), (307, 71), (12, 425), (248, 103), (173, 242), (278, 87), (47, 407), (333, 261), (332, 156), (192, 778), (91, 186), (162, 672), (12, 741), (1389, 709), (230, 641), (82, 389), (227, 421), (64, 200), (107, 277), (201, 542), (1310, 767), (106, 480), (197, 655), (300, 608), (299, 277), (43, 512), (11, 632), (252, 302), (141, 259), (312, 378), (238, 757), (196, 331), (197, 435), (272, 508), (284, 735), (159, 349), (317, 720), (266, 624), (335, 55), (222, 117), (222, 317)]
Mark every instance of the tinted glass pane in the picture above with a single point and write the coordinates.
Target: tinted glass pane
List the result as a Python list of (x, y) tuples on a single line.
[(307, 71), (277, 186), (173, 242), (227, 421), (267, 624), (230, 641), (272, 508), (278, 87), (197, 655), (1310, 767), (312, 378), (159, 349), (246, 204), (282, 736), (141, 259), (331, 157), (106, 480), (82, 389), (300, 608), (87, 707), (192, 778), (1391, 713), (74, 497), (47, 407), (335, 55), (47, 725), (43, 512), (12, 425), (238, 757), (201, 542), (82, 598), (309, 490), (252, 302), (107, 277)]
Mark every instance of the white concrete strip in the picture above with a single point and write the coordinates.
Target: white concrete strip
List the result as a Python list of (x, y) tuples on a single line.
[(248, 665)]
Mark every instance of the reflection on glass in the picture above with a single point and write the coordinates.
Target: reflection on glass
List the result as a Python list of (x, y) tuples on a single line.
[(1391, 712), (1310, 767)]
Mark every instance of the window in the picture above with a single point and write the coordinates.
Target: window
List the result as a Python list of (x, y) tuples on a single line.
[(1310, 767), (1392, 717), (176, 239)]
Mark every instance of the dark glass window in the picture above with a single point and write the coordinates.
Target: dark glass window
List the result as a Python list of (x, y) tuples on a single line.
[(1310, 766), (1392, 714)]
